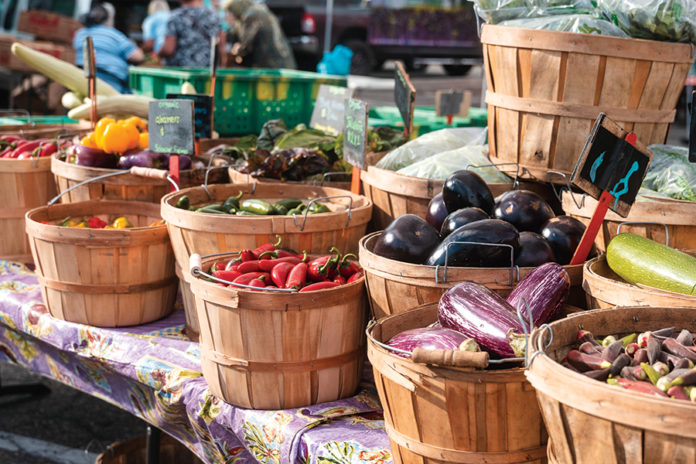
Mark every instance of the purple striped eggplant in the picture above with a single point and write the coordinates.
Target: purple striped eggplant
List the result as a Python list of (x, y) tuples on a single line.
[(545, 290), (429, 338)]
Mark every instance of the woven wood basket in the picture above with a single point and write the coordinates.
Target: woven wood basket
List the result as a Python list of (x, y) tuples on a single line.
[(395, 194), (591, 422), (394, 286), (103, 277), (237, 177), (436, 415), (272, 350), (546, 88), (24, 184), (650, 218), (605, 289), (191, 328)]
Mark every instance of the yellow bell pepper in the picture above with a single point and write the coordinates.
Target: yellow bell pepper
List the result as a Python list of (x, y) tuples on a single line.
[(121, 223)]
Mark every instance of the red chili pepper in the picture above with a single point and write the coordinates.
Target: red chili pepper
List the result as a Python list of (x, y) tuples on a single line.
[(339, 279), (96, 223), (319, 286), (297, 278), (11, 138), (258, 282), (232, 265), (267, 247), (229, 276), (348, 268), (25, 149), (244, 279), (268, 264), (249, 266), (354, 277), (279, 273), (247, 255), (48, 149), (217, 266), (7, 150), (320, 268)]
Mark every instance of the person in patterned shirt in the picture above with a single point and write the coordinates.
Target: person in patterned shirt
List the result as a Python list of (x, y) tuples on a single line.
[(189, 30)]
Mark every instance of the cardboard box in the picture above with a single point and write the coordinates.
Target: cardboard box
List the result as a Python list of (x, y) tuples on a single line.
[(48, 26), (9, 61)]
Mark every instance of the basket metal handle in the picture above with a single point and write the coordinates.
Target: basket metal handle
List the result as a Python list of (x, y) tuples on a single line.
[(196, 268), (557, 193), (465, 242), (626, 223), (306, 211)]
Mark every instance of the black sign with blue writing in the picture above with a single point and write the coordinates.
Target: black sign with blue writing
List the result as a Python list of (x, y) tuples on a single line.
[(610, 163), (202, 112), (355, 132), (170, 125)]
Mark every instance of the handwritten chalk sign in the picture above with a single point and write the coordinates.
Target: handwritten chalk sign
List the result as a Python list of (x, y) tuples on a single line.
[(452, 103), (404, 96), (170, 124), (692, 129), (328, 114), (609, 163), (202, 112), (355, 133)]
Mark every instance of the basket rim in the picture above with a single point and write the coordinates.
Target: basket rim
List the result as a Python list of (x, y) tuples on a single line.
[(671, 212)]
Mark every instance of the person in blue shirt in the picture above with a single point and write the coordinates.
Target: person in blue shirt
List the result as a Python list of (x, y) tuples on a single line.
[(113, 50), (155, 25)]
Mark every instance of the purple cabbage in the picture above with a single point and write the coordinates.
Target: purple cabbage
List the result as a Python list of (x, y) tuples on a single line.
[(428, 338)]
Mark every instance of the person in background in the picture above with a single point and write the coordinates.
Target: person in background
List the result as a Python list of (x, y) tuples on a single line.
[(262, 43), (113, 50), (189, 30), (155, 25)]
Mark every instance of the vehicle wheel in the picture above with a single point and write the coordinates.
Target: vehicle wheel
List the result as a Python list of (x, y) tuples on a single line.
[(363, 58), (456, 69)]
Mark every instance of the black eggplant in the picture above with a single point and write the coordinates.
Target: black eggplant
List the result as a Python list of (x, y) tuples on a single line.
[(465, 188), (523, 209), (563, 234), (408, 238), (492, 231), (461, 217), (150, 159), (534, 250), (437, 212), (92, 157)]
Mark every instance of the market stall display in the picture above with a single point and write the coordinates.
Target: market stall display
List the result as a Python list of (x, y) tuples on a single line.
[(608, 422)]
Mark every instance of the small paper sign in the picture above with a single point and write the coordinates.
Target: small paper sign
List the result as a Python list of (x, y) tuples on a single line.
[(609, 163), (355, 133), (202, 112), (170, 124), (328, 114), (404, 96), (452, 103), (692, 129)]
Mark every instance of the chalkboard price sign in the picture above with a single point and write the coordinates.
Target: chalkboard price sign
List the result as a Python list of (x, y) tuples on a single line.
[(202, 112), (170, 124), (692, 129), (404, 96), (328, 114), (355, 133), (609, 163), (452, 103)]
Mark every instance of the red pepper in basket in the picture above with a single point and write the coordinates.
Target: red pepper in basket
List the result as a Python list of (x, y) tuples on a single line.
[(229, 276), (280, 272), (232, 265), (249, 266), (267, 247), (339, 279), (275, 254), (319, 269), (247, 255), (24, 148), (96, 223), (48, 149), (355, 277), (11, 138), (348, 268), (297, 278), (269, 264), (319, 286), (244, 279), (259, 282)]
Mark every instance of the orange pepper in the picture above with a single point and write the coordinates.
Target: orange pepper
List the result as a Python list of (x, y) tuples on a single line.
[(116, 139), (144, 140), (99, 130), (137, 123), (132, 133), (88, 141)]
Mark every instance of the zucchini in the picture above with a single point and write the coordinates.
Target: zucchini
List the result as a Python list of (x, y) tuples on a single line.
[(134, 105), (71, 100), (639, 260)]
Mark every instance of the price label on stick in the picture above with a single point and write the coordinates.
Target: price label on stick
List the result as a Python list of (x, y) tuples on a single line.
[(355, 133), (404, 96), (692, 129), (329, 109), (452, 103), (202, 112), (171, 130)]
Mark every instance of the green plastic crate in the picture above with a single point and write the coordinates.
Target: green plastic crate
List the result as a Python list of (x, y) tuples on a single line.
[(244, 98), (18, 120), (425, 119)]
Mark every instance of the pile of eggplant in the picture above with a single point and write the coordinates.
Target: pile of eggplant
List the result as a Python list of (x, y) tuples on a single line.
[(473, 317), (658, 363), (465, 211)]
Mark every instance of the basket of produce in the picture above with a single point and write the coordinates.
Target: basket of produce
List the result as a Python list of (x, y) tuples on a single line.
[(547, 88), (316, 348), (25, 183), (466, 365), (103, 263), (407, 179), (615, 386), (637, 271), (467, 236)]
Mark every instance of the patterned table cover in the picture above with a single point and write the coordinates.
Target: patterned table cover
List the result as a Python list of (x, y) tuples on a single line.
[(153, 371)]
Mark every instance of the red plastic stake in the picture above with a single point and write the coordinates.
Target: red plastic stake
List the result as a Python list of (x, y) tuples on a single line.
[(592, 230), (174, 170), (355, 181), (449, 119)]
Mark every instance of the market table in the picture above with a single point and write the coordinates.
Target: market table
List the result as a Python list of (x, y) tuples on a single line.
[(153, 371)]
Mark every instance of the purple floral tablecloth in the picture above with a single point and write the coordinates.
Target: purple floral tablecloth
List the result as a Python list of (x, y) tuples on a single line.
[(153, 371)]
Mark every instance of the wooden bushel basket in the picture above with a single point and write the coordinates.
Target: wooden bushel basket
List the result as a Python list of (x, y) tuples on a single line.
[(436, 415), (394, 286), (546, 88), (592, 422), (191, 328), (649, 218), (605, 289), (273, 350), (103, 277), (24, 184)]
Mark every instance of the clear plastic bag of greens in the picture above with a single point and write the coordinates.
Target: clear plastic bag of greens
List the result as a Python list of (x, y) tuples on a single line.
[(497, 11), (670, 173), (440, 166), (669, 20), (430, 144), (580, 23)]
